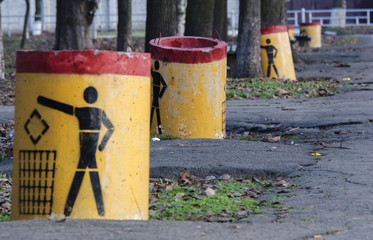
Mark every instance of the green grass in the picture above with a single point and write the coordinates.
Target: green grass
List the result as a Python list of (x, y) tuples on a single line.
[(187, 203), (4, 217), (350, 30), (252, 137), (259, 88), (4, 176), (2, 158), (308, 220), (167, 137)]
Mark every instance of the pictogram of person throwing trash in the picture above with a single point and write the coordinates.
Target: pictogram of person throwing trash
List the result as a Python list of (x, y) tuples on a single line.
[(90, 121), (158, 82), (271, 55)]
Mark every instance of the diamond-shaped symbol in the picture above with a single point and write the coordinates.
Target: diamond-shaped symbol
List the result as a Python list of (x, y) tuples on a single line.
[(36, 127)]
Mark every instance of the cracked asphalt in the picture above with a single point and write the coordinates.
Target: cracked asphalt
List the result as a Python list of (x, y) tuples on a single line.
[(333, 193)]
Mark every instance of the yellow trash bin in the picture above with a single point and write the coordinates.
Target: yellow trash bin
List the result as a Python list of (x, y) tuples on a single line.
[(314, 31), (81, 145), (188, 94), (291, 32), (277, 59)]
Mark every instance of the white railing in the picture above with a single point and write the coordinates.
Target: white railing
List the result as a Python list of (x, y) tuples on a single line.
[(105, 22), (331, 17)]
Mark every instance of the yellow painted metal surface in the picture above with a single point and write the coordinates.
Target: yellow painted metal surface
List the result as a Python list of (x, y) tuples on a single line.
[(193, 104), (48, 157), (276, 56), (314, 31), (291, 33)]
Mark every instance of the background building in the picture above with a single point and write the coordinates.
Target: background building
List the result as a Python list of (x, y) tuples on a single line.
[(326, 4)]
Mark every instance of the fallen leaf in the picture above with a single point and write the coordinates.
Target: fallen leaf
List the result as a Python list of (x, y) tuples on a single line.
[(195, 205), (274, 139), (179, 196), (209, 178), (209, 192), (291, 130), (340, 132), (169, 186), (283, 191), (185, 177), (281, 183), (225, 177), (241, 213), (235, 194), (283, 92), (235, 226), (342, 65)]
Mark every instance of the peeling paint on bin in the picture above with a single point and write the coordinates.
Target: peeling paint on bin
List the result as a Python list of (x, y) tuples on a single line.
[(314, 31), (277, 59), (190, 102), (81, 117)]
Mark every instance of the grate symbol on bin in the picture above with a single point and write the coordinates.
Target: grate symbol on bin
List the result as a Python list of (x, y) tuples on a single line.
[(37, 169)]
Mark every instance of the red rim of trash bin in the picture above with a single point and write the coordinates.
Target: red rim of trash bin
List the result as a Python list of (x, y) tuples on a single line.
[(187, 49), (309, 24), (91, 61), (273, 29)]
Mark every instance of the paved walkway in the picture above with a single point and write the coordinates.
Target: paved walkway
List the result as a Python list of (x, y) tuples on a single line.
[(334, 199)]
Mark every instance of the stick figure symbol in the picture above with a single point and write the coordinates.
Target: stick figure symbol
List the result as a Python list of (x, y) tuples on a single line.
[(158, 82), (271, 55), (90, 119)]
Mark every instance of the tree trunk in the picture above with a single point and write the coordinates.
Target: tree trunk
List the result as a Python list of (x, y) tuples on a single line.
[(37, 10), (339, 3), (339, 13), (25, 23), (124, 25), (2, 65), (199, 18), (160, 20), (220, 23), (180, 12), (248, 41), (273, 13), (74, 18)]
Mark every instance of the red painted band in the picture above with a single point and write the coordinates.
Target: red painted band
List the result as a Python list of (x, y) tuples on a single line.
[(84, 62), (274, 29), (188, 49), (290, 28), (309, 24)]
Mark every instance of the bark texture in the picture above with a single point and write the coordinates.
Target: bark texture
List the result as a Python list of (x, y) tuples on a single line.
[(248, 41), (199, 18), (124, 25), (273, 12), (220, 22), (2, 64), (74, 19), (180, 12), (160, 19)]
